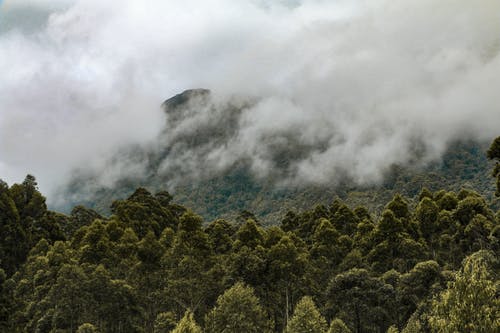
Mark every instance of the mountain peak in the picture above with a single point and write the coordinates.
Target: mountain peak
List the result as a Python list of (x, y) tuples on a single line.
[(180, 100)]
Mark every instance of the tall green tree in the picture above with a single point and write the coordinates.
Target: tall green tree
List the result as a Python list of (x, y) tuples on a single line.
[(5, 302), (188, 264), (360, 300), (14, 239), (494, 154), (237, 310), (418, 284), (471, 302), (29, 201), (80, 216), (148, 278), (306, 318), (248, 258), (427, 213), (219, 234), (143, 213), (393, 246), (399, 206), (69, 297), (345, 220), (286, 266)]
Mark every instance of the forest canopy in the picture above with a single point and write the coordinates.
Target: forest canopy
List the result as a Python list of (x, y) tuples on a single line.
[(153, 265)]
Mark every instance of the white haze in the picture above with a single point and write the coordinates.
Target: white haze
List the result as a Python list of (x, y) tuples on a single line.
[(369, 82)]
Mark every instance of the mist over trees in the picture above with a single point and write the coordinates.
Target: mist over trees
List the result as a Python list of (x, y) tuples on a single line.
[(330, 168), (325, 77), (182, 162), (154, 266)]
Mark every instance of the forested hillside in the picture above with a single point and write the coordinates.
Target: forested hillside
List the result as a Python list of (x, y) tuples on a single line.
[(225, 193), (155, 266)]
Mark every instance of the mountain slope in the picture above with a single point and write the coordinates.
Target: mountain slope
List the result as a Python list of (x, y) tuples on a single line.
[(180, 162)]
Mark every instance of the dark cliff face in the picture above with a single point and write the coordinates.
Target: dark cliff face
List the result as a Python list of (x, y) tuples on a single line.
[(182, 100), (177, 107), (195, 123)]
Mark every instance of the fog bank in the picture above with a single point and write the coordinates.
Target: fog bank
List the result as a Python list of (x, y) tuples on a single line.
[(352, 86)]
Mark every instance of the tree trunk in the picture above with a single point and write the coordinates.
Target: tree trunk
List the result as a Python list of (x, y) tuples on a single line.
[(287, 307)]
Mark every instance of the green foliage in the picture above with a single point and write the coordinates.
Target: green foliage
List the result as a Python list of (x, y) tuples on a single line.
[(165, 322), (360, 300), (237, 310), (143, 212), (448, 201), (154, 261), (14, 239), (494, 154), (418, 284), (191, 240), (5, 302), (187, 324), (306, 318), (23, 222), (220, 233), (249, 234), (87, 328), (80, 216), (427, 213), (392, 329), (338, 326), (399, 206), (471, 303), (413, 325), (149, 250), (224, 196)]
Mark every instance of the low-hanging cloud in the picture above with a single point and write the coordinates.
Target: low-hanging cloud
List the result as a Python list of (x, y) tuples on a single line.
[(324, 89)]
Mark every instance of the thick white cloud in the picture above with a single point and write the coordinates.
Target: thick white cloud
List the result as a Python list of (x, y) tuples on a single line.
[(37, 3), (363, 83)]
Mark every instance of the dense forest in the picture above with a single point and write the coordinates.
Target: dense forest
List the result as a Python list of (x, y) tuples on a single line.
[(225, 193), (155, 266)]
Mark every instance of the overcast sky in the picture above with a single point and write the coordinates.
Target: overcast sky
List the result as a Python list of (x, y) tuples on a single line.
[(367, 79)]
